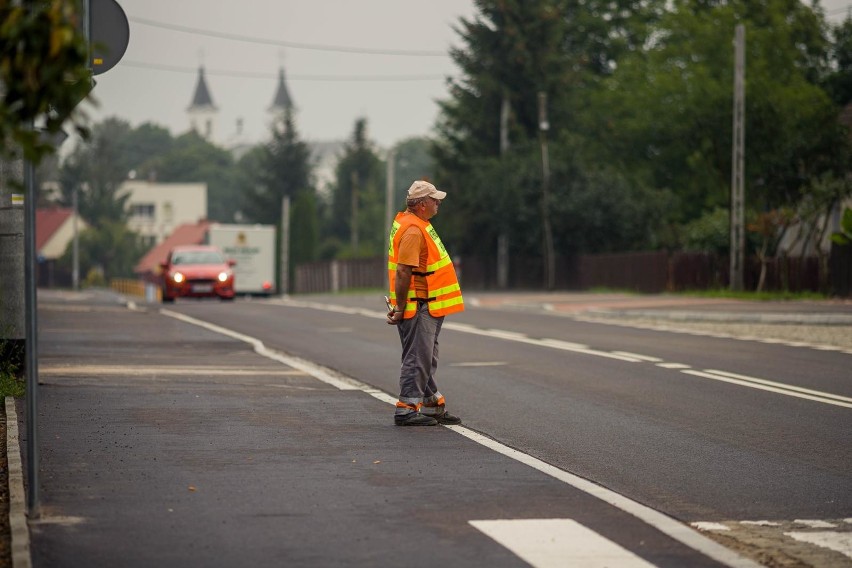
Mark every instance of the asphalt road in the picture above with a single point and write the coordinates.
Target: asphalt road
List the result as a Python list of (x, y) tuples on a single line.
[(699, 449), (703, 429)]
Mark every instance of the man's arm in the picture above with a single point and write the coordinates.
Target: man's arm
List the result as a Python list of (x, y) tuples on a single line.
[(402, 284)]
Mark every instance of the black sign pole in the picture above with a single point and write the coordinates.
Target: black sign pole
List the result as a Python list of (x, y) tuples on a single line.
[(30, 200)]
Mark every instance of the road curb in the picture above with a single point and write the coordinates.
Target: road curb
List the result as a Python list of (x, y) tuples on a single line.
[(17, 498)]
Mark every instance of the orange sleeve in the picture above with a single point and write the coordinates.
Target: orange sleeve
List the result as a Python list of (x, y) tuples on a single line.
[(412, 252), (410, 246)]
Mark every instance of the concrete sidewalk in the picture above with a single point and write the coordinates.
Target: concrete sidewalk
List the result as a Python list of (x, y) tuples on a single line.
[(165, 444), (673, 307)]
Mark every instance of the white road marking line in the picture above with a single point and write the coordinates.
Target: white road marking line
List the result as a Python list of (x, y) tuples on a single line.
[(673, 366), (637, 356), (155, 370), (838, 541), (551, 343), (755, 385), (663, 523), (782, 385), (329, 377), (560, 344), (710, 526), (815, 523), (479, 364), (466, 328), (552, 543)]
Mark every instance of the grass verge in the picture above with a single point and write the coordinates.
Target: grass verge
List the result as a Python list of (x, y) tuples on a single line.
[(754, 296), (11, 385)]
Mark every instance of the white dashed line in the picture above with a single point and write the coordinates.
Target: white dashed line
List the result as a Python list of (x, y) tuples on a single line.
[(771, 386)]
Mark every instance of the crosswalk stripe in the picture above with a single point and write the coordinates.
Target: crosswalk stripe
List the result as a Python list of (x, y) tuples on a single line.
[(551, 543)]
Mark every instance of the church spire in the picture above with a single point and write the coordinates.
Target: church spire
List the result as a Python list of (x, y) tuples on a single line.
[(282, 100), (202, 110)]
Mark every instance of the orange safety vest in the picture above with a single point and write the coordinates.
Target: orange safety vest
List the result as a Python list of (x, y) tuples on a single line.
[(441, 280)]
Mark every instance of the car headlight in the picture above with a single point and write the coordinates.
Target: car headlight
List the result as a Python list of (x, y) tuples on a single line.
[(223, 276), (178, 277)]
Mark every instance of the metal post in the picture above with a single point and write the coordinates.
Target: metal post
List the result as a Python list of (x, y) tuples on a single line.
[(738, 161), (75, 244), (503, 237), (354, 214), (32, 337), (285, 245), (389, 211), (549, 262)]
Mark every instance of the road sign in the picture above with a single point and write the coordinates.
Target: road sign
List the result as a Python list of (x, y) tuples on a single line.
[(109, 34)]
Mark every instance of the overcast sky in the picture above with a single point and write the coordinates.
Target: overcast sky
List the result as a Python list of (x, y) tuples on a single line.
[(331, 88)]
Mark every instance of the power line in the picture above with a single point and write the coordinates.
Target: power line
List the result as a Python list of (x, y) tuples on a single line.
[(258, 75), (281, 43)]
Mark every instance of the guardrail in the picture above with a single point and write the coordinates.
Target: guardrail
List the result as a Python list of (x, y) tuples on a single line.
[(129, 287)]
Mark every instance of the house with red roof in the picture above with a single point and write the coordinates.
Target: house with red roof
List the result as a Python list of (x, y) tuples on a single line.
[(55, 228)]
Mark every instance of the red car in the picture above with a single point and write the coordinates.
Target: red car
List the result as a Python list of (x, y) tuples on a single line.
[(195, 272)]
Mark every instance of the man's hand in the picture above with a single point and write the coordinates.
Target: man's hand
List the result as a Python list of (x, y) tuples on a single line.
[(394, 317), (403, 282)]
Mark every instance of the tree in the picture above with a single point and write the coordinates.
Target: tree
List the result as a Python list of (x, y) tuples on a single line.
[(675, 125), (281, 168), (43, 73), (95, 170), (143, 145), (839, 82), (514, 50), (357, 206), (109, 250), (413, 161), (193, 159)]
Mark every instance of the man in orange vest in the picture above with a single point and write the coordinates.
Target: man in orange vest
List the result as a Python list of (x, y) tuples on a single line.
[(423, 289)]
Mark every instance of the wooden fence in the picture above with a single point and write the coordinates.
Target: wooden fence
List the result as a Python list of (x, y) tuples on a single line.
[(647, 272), (339, 275)]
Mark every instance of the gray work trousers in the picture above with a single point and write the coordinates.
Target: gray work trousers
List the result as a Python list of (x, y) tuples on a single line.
[(419, 338)]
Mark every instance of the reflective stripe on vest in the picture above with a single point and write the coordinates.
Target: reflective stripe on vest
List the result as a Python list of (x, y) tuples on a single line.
[(441, 280)]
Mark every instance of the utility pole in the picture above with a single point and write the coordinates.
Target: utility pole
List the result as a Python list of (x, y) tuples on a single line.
[(549, 261), (75, 246), (737, 163), (285, 246), (503, 238), (353, 235), (389, 212)]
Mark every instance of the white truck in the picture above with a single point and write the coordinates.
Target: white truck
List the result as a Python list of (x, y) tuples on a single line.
[(253, 249)]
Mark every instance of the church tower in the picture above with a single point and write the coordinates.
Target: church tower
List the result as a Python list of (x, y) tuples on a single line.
[(202, 111), (282, 101)]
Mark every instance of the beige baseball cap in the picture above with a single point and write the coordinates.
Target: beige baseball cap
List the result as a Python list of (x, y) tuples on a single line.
[(422, 188)]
